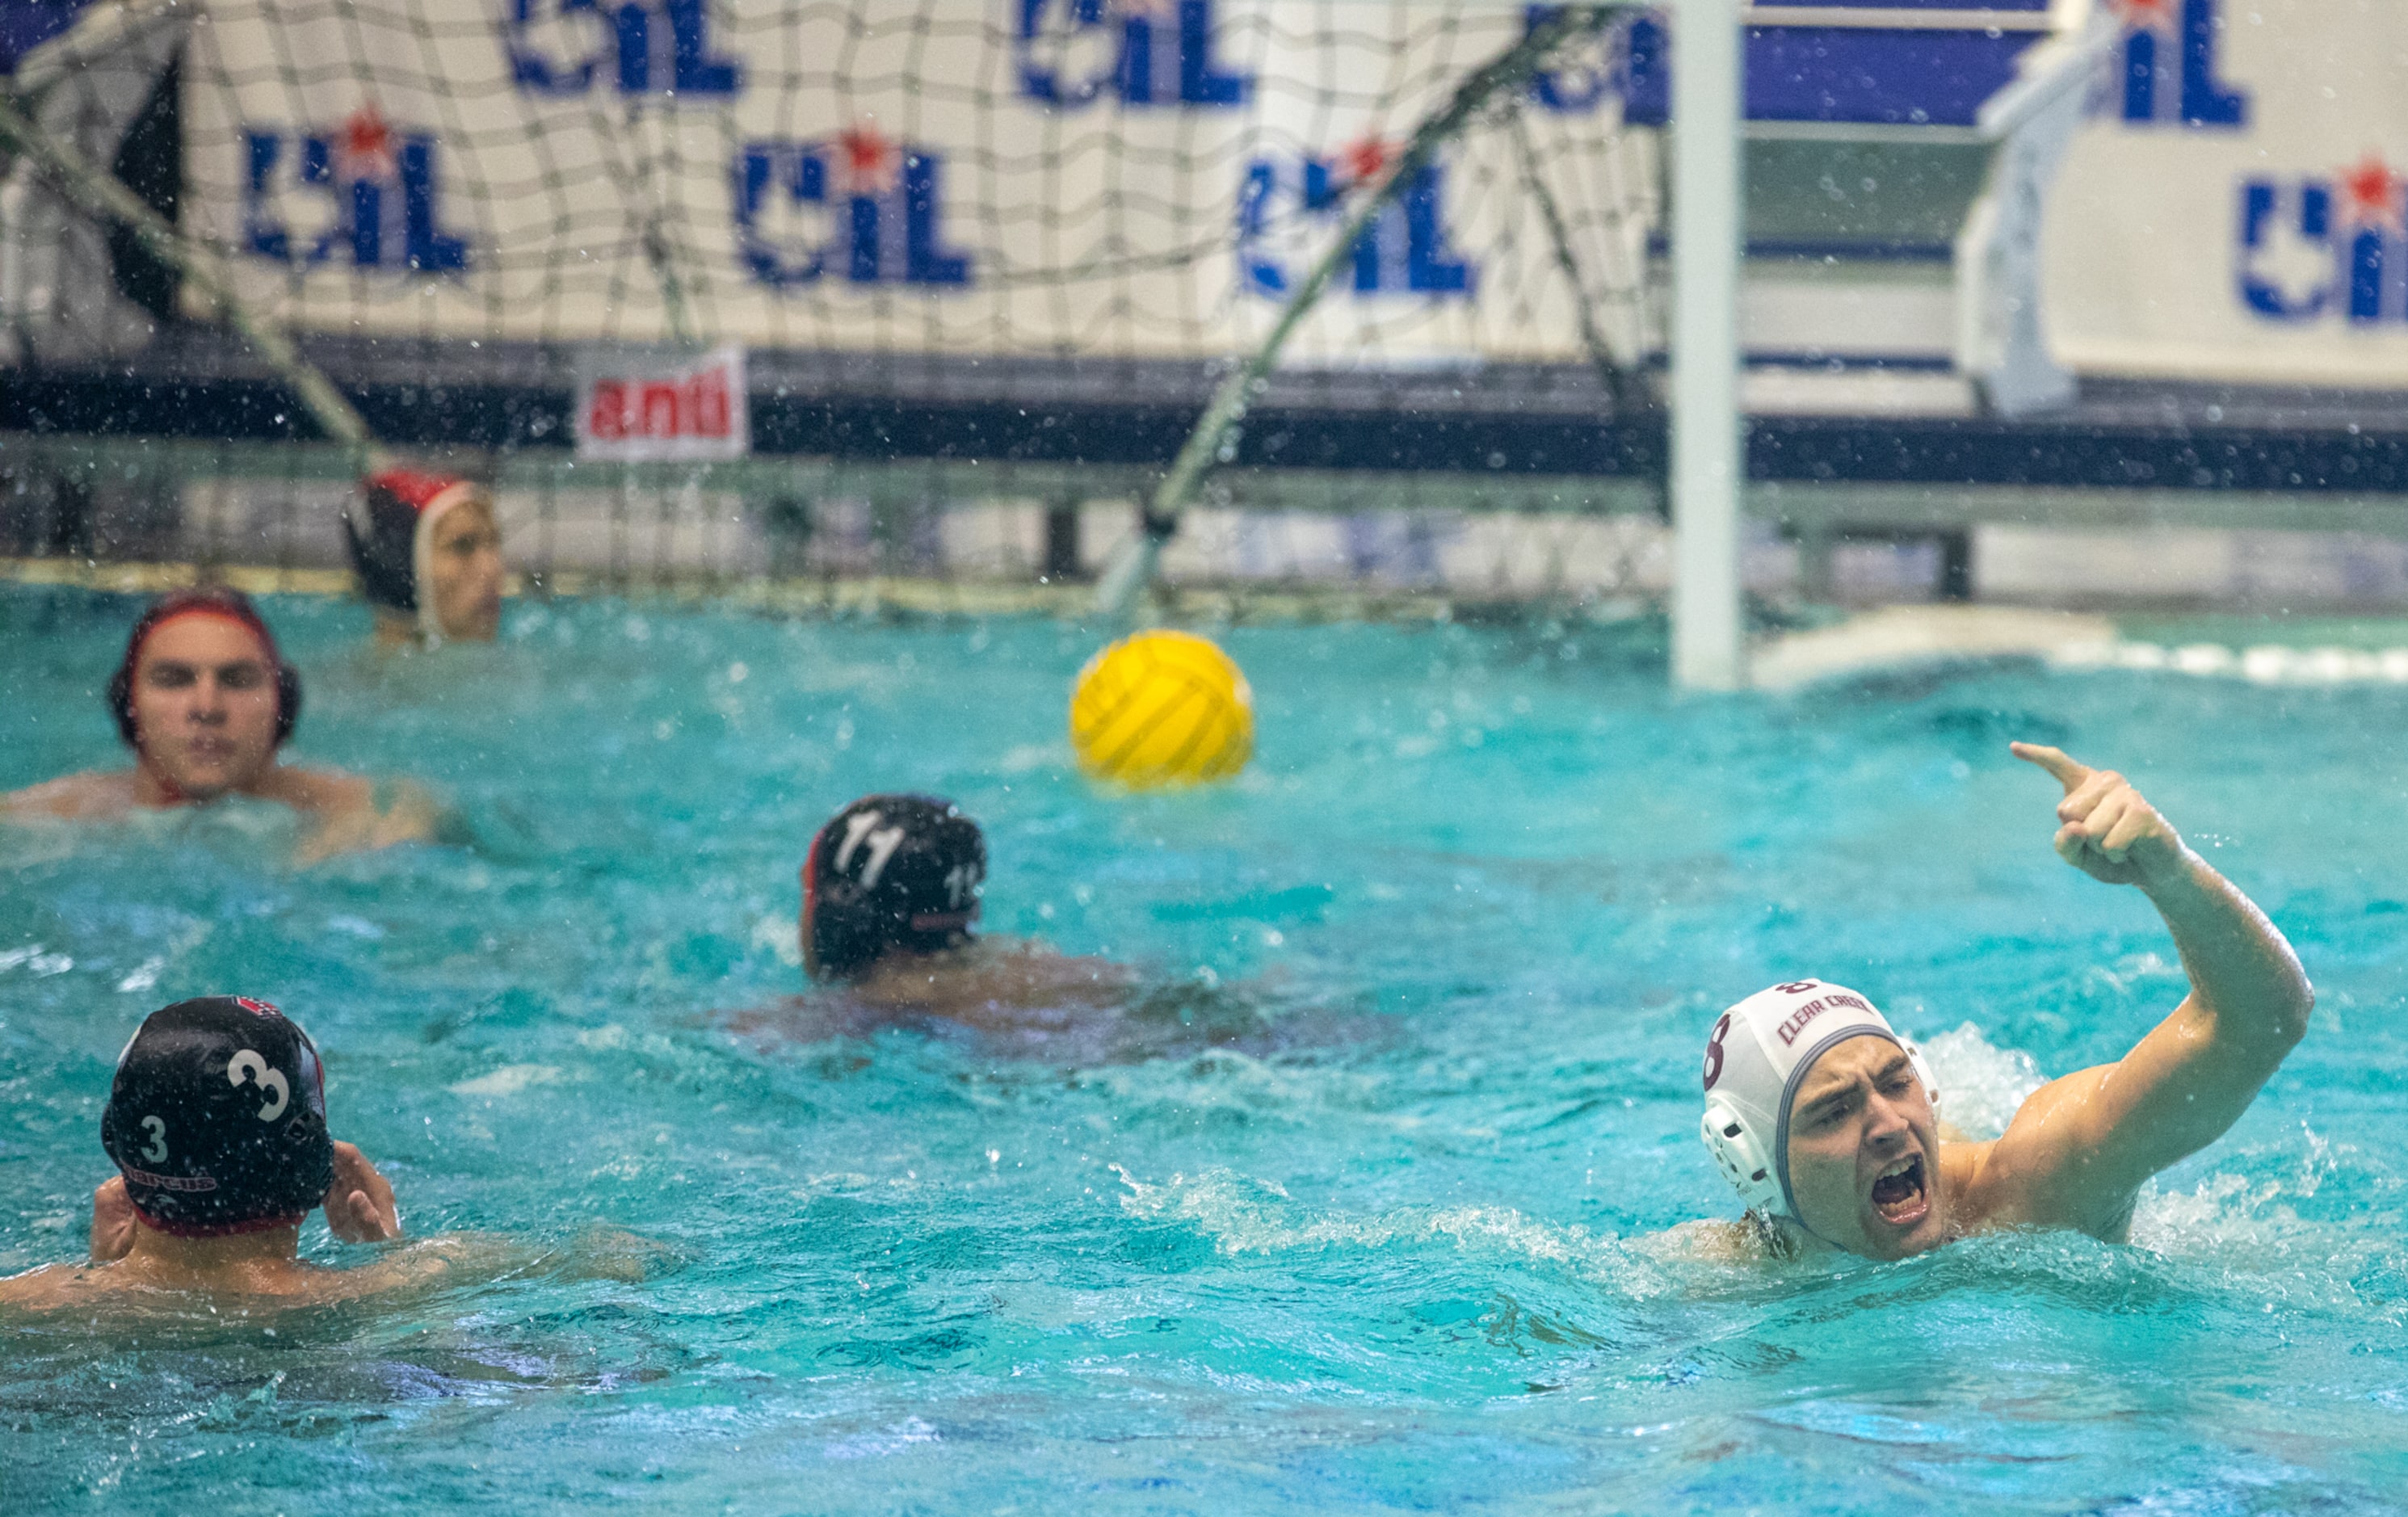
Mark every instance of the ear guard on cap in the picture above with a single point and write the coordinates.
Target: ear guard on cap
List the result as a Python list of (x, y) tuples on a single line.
[(1745, 1158)]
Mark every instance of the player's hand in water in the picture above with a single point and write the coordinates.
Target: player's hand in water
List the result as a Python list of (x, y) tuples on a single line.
[(2106, 831), (112, 1222), (359, 1205)]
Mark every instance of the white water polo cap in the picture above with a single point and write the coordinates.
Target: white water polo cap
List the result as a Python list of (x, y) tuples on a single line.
[(1755, 1059)]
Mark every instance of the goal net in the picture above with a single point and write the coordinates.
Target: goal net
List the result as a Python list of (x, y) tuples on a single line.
[(1018, 236)]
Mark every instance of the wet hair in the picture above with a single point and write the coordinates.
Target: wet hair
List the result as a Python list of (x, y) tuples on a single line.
[(215, 600), (217, 1119), (890, 874)]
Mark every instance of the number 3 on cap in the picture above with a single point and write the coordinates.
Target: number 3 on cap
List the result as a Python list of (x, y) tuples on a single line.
[(248, 1065)]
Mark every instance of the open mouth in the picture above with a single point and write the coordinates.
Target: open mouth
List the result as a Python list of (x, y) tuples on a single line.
[(1899, 1193)]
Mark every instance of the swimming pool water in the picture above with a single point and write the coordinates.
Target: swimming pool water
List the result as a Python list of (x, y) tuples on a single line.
[(1485, 887)]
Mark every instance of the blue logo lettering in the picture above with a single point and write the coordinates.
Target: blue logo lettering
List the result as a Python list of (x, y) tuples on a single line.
[(642, 47), (2162, 48), (858, 206), (1405, 250), (1609, 62), (2311, 246), (330, 196), (1148, 52), (2168, 57)]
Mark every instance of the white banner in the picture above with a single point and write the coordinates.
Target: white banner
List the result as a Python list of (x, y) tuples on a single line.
[(1148, 178), (2234, 211), (1139, 178)]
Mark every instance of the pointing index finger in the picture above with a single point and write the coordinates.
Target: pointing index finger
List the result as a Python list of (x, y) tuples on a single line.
[(2068, 771)]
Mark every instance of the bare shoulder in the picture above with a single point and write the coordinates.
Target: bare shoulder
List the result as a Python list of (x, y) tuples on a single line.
[(1034, 971), (1745, 1242), (807, 1019), (2048, 1108), (414, 1265), (95, 793), (47, 1289), (428, 1261), (994, 984), (324, 792), (351, 815), (1965, 1177), (2034, 1174), (411, 814), (61, 1286)]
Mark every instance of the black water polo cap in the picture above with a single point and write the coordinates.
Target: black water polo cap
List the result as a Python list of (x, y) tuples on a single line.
[(390, 527), (217, 1119), (889, 874)]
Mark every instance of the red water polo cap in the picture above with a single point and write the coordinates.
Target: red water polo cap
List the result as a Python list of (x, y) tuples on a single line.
[(417, 489)]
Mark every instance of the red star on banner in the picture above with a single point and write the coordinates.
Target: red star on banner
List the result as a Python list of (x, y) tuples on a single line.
[(871, 166), (1363, 162), (2372, 190), (2154, 13), (366, 151)]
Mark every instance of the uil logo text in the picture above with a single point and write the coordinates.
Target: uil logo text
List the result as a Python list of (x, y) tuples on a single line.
[(641, 47), (1624, 60), (2169, 65), (2317, 247), (364, 194), (1143, 53), (858, 206), (1285, 208)]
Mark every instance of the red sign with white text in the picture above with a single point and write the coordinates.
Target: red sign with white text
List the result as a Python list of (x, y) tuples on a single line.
[(674, 409)]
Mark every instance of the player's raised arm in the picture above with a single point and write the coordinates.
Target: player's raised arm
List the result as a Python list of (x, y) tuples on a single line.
[(2081, 1148)]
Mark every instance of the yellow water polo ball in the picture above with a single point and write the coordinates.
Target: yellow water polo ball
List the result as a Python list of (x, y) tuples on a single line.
[(1159, 709)]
